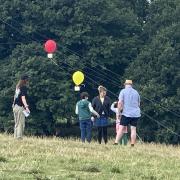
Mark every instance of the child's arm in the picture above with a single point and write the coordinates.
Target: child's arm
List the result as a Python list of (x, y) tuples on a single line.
[(113, 108)]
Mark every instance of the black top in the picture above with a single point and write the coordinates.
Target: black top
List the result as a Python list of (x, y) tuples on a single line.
[(100, 108), (18, 95)]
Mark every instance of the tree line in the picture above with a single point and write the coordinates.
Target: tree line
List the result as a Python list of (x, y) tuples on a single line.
[(109, 41)]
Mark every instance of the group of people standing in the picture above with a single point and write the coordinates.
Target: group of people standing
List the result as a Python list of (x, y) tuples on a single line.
[(127, 110), (97, 113)]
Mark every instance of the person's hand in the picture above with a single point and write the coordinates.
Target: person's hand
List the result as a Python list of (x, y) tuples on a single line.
[(98, 116), (27, 109), (92, 119)]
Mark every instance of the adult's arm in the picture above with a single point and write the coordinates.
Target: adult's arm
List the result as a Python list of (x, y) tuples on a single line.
[(110, 102), (120, 106), (94, 102), (25, 103), (23, 98), (76, 111), (121, 101)]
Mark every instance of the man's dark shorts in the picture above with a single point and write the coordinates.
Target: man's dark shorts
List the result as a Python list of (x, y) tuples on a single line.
[(125, 121)]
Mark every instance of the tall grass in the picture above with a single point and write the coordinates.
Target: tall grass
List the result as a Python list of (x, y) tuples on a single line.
[(55, 158)]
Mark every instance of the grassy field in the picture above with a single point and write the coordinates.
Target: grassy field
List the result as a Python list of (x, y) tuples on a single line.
[(54, 158)]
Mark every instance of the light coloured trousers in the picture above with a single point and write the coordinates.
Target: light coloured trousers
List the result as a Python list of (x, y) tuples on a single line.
[(19, 119)]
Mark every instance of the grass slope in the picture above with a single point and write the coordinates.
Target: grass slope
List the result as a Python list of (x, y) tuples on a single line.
[(54, 158)]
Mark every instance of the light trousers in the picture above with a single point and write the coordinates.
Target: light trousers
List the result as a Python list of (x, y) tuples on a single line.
[(19, 119)]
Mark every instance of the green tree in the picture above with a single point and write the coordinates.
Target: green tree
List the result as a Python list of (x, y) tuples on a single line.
[(156, 71), (105, 33)]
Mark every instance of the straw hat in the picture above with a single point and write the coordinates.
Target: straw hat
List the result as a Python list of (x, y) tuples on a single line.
[(128, 82)]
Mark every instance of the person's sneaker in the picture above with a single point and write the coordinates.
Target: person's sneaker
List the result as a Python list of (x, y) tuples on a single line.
[(132, 145), (115, 144)]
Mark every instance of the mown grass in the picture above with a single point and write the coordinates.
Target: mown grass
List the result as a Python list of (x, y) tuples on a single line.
[(55, 158)]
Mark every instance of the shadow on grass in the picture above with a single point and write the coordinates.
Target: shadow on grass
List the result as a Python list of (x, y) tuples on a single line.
[(72, 160), (91, 168), (71, 176), (35, 171), (116, 170), (37, 174), (149, 177), (40, 177), (2, 159)]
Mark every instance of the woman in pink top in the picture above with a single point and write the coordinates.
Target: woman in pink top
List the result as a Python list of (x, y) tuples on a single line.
[(124, 139)]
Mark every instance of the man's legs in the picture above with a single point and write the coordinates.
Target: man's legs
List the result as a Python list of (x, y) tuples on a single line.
[(133, 123), (117, 129), (133, 135), (124, 139)]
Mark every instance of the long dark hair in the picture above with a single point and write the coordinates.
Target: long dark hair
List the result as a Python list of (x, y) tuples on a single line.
[(21, 83)]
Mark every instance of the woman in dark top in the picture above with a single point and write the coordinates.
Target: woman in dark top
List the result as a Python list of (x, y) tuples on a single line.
[(20, 107), (102, 105)]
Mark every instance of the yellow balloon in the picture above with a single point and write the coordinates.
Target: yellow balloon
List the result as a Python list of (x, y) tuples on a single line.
[(78, 78)]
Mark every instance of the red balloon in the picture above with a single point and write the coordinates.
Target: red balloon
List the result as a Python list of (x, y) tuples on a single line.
[(50, 46)]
